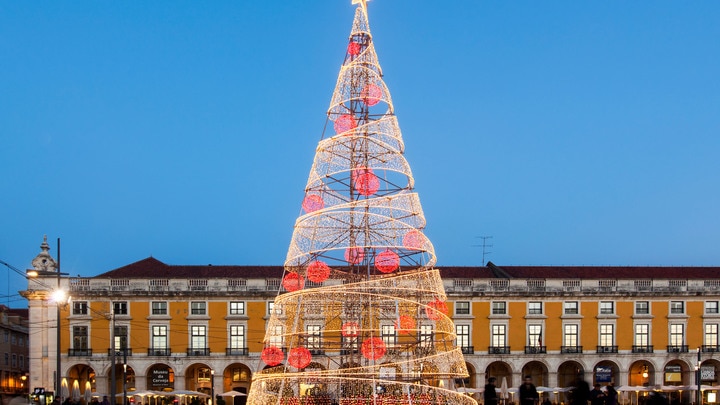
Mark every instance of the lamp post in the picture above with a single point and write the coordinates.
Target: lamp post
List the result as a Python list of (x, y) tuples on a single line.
[(698, 397), (124, 381), (212, 387)]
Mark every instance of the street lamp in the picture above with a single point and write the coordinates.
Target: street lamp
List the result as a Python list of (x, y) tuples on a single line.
[(124, 382), (212, 386)]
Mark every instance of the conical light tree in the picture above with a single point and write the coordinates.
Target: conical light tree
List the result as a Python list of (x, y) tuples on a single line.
[(361, 317)]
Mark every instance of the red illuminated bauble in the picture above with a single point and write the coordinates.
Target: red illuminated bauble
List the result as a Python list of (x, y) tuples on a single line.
[(373, 348), (371, 94), (293, 282), (350, 329), (312, 203), (354, 255), (272, 356), (405, 324), (299, 357), (387, 261), (353, 48), (344, 123), (435, 309), (413, 239), (318, 271), (365, 181)]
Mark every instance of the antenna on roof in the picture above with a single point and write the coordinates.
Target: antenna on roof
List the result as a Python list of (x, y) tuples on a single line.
[(484, 247)]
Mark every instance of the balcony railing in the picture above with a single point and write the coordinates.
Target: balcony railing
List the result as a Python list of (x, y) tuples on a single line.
[(710, 348), (535, 349), (317, 352), (236, 351), (571, 349), (159, 352), (467, 349), (121, 352), (79, 352), (607, 349), (677, 349), (198, 351), (642, 349), (498, 349), (347, 352)]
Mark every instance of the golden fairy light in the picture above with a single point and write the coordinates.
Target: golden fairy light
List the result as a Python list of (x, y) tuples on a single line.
[(361, 316)]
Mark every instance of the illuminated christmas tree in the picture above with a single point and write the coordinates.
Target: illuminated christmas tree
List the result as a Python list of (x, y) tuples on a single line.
[(362, 316)]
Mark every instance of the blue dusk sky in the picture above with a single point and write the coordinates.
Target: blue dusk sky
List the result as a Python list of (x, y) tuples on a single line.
[(573, 133)]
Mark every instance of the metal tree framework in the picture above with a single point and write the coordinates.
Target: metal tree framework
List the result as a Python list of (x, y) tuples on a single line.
[(363, 318)]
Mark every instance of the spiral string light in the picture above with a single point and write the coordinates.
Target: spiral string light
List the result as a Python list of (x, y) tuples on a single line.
[(362, 316)]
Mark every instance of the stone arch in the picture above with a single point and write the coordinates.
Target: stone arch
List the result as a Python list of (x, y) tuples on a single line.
[(605, 372), (538, 371), (568, 373), (198, 377), (160, 377), (641, 373), (85, 376), (235, 377), (129, 379), (677, 372), (499, 370)]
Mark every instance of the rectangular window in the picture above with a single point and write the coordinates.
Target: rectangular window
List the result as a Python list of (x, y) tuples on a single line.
[(120, 308), (388, 335), (711, 334), (237, 307), (607, 307), (313, 337), (499, 308), (711, 307), (198, 337), (499, 336), (198, 308), (462, 308), (642, 334), (121, 337), (677, 334), (607, 334), (570, 335), (571, 308), (677, 307), (535, 335), (80, 308), (80, 337), (159, 337), (159, 308), (274, 309), (14, 360), (237, 337), (426, 335), (642, 307), (463, 335), (276, 339), (535, 308)]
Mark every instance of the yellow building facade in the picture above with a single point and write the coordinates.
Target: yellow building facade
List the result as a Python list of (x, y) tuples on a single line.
[(200, 328)]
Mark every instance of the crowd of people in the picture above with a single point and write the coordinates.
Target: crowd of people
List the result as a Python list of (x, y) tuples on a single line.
[(581, 394)]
